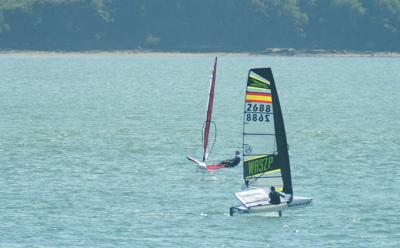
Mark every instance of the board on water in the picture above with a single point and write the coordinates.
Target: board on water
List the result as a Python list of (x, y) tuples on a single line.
[(265, 150), (203, 165)]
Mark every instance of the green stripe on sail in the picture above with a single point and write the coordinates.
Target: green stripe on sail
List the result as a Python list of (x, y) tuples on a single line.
[(257, 81), (256, 89), (259, 165)]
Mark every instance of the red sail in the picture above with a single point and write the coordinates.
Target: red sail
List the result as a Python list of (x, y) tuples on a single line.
[(209, 110)]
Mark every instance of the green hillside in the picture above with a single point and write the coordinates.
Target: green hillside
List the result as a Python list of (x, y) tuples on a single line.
[(207, 25)]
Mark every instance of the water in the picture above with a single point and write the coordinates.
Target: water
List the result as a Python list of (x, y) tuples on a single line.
[(92, 151)]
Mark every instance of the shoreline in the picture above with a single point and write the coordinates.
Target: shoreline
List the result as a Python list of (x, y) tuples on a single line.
[(268, 52), (328, 53)]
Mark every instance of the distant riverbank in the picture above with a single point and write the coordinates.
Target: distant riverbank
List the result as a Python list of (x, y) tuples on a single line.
[(294, 52), (269, 52)]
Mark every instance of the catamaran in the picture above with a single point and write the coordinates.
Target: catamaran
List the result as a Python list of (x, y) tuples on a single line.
[(265, 150), (208, 124)]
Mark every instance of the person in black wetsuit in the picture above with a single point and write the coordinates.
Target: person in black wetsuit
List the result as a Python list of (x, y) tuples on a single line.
[(275, 196), (228, 163)]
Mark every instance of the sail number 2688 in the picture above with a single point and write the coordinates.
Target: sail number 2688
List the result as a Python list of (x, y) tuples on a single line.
[(258, 107), (257, 117), (260, 112)]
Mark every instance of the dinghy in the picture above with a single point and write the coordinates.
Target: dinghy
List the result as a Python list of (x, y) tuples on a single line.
[(265, 150)]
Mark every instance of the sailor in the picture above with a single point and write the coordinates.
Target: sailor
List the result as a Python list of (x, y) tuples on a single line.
[(228, 163), (275, 196)]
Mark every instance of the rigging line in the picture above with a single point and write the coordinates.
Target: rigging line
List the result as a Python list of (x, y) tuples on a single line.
[(202, 134), (258, 134), (258, 154), (261, 176), (253, 112), (253, 181), (215, 136)]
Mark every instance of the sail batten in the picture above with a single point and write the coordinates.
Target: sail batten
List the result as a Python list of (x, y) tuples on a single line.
[(265, 154)]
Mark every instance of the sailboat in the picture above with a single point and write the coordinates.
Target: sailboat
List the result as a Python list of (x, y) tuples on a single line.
[(265, 150), (208, 124)]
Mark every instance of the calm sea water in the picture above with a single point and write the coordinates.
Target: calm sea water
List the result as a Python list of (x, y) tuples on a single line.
[(92, 151)]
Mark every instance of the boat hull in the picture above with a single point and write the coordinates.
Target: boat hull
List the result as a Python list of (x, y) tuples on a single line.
[(297, 202)]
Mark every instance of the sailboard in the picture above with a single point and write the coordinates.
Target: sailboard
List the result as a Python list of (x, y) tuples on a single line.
[(265, 150), (207, 127)]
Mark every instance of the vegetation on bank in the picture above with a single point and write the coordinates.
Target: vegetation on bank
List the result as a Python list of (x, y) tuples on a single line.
[(207, 25)]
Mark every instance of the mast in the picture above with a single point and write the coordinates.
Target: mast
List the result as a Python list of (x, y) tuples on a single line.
[(209, 111)]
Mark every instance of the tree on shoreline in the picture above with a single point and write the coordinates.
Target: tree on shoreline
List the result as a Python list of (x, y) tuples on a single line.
[(208, 25)]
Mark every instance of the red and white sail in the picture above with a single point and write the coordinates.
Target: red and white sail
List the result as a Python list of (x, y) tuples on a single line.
[(209, 113)]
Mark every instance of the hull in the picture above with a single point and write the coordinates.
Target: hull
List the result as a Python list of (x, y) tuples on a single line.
[(200, 165), (297, 202), (204, 166)]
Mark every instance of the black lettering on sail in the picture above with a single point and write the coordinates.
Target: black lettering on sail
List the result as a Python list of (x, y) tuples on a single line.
[(260, 165)]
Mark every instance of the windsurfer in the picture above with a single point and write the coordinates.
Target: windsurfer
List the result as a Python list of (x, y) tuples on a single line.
[(228, 163), (275, 196)]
